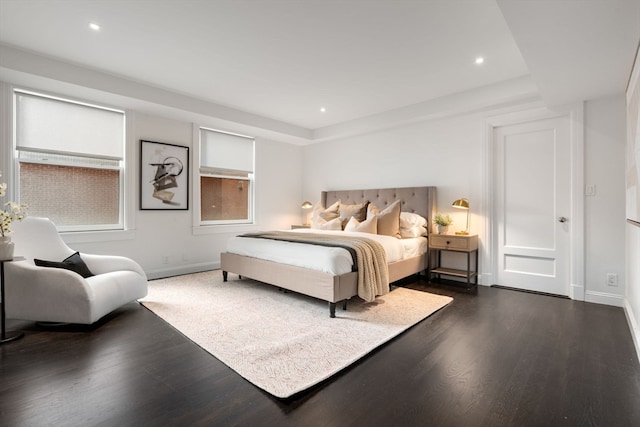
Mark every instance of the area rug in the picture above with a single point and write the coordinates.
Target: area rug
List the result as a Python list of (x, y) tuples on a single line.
[(282, 342)]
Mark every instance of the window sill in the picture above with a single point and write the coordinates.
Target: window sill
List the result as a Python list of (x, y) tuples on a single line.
[(222, 229), (97, 236)]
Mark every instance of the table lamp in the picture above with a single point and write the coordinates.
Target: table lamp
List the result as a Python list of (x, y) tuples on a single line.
[(462, 204), (306, 205)]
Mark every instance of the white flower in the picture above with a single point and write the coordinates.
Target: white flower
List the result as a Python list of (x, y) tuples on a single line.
[(14, 212)]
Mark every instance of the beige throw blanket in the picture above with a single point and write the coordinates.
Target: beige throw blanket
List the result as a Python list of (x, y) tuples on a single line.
[(370, 257)]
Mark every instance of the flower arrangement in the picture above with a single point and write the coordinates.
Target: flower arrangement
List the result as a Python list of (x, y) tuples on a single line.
[(443, 220), (13, 212)]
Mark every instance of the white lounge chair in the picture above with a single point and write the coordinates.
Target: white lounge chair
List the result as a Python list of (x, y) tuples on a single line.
[(48, 294)]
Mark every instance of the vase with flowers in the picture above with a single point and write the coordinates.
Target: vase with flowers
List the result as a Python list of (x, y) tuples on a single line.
[(443, 222), (10, 211)]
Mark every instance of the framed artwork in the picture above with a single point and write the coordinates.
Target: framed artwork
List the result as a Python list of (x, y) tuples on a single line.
[(633, 144), (164, 176)]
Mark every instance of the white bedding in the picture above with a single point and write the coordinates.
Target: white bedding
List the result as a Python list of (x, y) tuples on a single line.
[(326, 259)]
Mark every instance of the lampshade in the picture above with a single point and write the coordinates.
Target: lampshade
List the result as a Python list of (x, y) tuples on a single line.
[(307, 205), (462, 204)]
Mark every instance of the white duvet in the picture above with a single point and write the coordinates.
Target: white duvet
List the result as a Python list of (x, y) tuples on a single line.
[(326, 259)]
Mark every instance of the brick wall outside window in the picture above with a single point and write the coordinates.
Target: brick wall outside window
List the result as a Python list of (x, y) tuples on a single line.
[(224, 199), (70, 195)]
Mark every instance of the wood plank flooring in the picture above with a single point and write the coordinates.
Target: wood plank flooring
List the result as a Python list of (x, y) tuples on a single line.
[(494, 357)]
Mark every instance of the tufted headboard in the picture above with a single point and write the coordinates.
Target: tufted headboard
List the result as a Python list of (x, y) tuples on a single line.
[(419, 200)]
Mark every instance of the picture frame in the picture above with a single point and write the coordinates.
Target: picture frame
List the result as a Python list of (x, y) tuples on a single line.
[(164, 176), (633, 144)]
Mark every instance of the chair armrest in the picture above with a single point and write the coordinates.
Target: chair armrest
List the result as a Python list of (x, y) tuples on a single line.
[(42, 290), (100, 264), (28, 275)]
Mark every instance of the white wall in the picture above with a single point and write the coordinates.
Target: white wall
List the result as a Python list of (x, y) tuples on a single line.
[(632, 291), (155, 235), (444, 151), (448, 153), (605, 140)]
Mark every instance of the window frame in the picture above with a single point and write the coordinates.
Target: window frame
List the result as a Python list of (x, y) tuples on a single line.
[(218, 226), (84, 232)]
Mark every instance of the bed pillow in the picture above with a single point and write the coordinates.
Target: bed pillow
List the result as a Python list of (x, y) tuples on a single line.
[(410, 219), (407, 233), (321, 224), (369, 225), (320, 215), (412, 225), (357, 211), (388, 219), (73, 263)]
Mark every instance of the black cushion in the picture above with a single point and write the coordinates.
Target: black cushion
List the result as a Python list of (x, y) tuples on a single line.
[(73, 263)]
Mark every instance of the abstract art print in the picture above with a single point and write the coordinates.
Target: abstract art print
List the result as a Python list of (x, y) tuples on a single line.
[(633, 144), (164, 176)]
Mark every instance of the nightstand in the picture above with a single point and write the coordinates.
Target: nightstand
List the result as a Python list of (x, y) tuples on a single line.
[(294, 226), (455, 243)]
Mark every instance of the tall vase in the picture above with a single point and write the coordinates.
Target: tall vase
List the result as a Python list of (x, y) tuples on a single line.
[(6, 248)]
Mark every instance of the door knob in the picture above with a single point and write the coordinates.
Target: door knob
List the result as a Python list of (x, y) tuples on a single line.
[(562, 219)]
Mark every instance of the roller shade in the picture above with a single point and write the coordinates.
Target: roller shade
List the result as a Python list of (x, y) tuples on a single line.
[(51, 125), (225, 153)]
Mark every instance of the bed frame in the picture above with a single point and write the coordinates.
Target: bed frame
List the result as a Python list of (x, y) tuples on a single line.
[(329, 287)]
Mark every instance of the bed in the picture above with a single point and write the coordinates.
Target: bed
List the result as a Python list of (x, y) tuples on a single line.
[(331, 287)]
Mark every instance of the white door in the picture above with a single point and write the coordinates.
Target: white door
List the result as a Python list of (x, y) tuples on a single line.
[(532, 205)]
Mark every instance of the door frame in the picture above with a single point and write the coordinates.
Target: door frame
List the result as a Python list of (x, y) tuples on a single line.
[(576, 266)]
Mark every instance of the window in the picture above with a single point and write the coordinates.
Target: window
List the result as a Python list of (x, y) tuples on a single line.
[(226, 178), (71, 161)]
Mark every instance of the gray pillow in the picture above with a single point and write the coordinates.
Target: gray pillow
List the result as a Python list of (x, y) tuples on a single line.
[(73, 263), (358, 211)]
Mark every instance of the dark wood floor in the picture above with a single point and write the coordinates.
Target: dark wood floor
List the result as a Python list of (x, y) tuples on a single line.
[(495, 357)]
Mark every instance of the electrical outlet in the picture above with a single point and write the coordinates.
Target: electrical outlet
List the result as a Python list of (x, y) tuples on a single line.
[(612, 279), (590, 190), (165, 259)]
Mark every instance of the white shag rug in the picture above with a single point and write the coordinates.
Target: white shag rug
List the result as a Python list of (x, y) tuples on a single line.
[(282, 342)]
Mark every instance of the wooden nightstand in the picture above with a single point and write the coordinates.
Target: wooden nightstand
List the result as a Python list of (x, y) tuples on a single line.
[(294, 226), (454, 243)]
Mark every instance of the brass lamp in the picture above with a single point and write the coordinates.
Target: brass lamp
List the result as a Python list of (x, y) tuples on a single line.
[(462, 204), (306, 205)]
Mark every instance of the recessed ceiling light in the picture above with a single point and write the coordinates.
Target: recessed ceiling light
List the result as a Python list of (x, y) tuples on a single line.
[(479, 60), (94, 26), (323, 110)]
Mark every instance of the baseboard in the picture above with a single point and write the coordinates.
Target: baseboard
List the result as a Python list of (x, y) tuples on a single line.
[(604, 298), (528, 291), (576, 292), (181, 269), (633, 327), (485, 279)]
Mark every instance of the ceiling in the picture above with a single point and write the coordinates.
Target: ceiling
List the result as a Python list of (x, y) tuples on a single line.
[(285, 60)]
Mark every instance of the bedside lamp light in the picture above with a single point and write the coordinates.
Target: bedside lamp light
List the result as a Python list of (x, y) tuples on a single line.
[(462, 204), (305, 206)]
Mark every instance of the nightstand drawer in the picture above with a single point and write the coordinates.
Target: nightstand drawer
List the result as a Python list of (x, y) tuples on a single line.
[(459, 243)]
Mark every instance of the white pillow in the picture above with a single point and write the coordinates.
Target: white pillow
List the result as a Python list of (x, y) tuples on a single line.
[(367, 226), (407, 233), (409, 219), (321, 224)]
